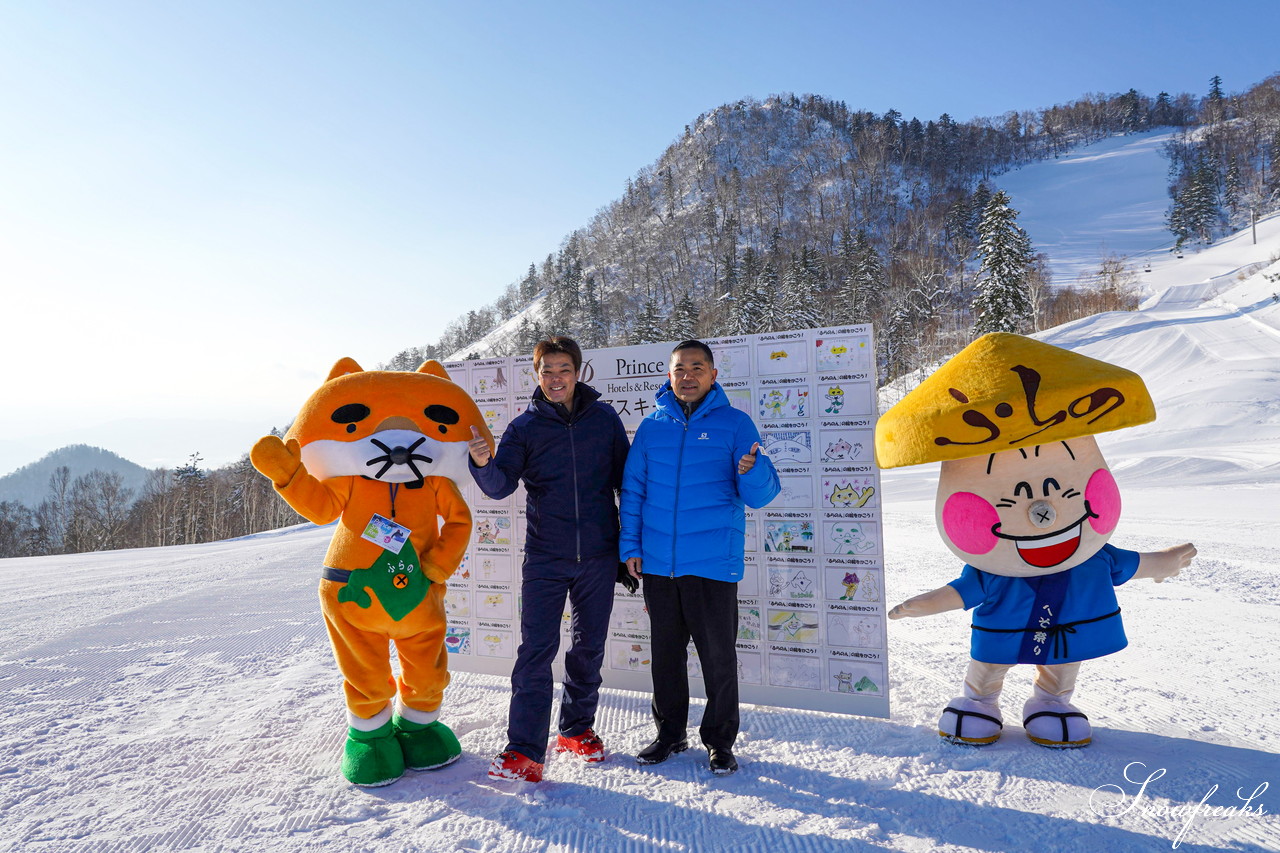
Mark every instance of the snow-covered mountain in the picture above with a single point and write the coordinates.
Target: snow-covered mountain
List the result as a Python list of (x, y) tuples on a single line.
[(184, 698), (29, 484)]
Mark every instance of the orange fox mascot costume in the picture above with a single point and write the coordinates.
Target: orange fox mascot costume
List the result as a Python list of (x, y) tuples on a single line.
[(379, 451)]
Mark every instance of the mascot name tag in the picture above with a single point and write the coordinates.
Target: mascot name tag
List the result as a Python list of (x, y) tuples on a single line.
[(385, 533)]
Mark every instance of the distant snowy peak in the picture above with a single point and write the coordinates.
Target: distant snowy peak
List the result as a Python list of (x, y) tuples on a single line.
[(29, 484)]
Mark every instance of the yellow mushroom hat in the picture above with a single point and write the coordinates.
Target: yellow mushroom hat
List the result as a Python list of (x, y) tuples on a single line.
[(1007, 391)]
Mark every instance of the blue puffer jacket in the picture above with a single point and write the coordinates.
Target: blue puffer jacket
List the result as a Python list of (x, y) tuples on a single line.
[(571, 469), (682, 495)]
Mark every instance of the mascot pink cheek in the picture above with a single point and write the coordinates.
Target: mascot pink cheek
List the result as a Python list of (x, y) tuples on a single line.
[(967, 521), (1103, 496)]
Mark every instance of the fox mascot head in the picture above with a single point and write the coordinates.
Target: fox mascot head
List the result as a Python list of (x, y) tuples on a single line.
[(389, 426)]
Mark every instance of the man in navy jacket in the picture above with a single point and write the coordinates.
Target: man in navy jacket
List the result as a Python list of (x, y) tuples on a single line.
[(569, 448), (694, 462)]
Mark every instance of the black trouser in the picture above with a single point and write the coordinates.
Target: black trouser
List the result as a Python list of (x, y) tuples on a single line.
[(707, 611)]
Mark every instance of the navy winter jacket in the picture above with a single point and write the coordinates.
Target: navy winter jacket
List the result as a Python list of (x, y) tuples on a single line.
[(682, 495), (571, 469)]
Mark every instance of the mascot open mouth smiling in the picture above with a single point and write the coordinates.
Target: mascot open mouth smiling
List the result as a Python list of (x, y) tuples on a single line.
[(1027, 501)]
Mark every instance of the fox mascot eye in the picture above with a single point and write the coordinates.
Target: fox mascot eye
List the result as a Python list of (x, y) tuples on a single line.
[(350, 414)]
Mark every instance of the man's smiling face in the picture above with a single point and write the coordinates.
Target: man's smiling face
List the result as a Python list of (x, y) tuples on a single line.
[(1028, 512), (557, 377), (692, 374)]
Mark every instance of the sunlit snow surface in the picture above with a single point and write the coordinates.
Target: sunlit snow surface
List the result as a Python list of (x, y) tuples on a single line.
[(185, 698)]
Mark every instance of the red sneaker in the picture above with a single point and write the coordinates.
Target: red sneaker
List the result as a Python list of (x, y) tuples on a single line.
[(586, 746), (513, 766)]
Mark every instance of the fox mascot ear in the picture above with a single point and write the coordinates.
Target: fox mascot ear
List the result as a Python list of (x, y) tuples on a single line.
[(433, 367), (344, 366)]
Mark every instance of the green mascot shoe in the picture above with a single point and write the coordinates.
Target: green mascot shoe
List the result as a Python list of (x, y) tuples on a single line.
[(427, 746), (372, 759)]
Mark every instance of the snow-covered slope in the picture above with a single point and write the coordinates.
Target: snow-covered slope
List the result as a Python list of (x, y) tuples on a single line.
[(1105, 198), (184, 698)]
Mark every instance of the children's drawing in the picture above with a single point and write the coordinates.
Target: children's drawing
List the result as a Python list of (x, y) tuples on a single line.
[(793, 626), (774, 358), (493, 567), (733, 362), (629, 656), (791, 582), (788, 446), (457, 639), (844, 399), (847, 629), (796, 492), (848, 492), (795, 671), (494, 643), (845, 445), (628, 616), (493, 605), (851, 353), (834, 395), (860, 584), (784, 536), (852, 537), (457, 604), (493, 530), (855, 677), (791, 401)]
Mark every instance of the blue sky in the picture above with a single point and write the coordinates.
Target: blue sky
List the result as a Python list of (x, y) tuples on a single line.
[(203, 205)]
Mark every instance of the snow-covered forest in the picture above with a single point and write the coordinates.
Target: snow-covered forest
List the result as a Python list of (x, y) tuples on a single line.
[(798, 211)]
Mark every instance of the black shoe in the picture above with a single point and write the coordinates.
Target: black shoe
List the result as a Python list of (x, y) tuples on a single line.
[(659, 751), (722, 761)]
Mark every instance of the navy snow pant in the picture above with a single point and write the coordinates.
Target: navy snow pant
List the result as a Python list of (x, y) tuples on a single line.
[(589, 587), (707, 611)]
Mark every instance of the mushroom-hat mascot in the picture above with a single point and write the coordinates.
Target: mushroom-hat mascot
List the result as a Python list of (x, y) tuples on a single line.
[(380, 452), (1026, 500)]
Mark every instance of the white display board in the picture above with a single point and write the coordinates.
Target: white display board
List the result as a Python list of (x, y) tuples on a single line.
[(811, 610)]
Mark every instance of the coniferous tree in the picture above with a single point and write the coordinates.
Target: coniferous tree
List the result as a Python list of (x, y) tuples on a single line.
[(768, 283), (798, 306), (683, 323), (728, 285), (1132, 115), (977, 204), (1231, 188), (593, 324), (1003, 302), (1216, 102), (1195, 207), (747, 310), (860, 292), (529, 286), (648, 327)]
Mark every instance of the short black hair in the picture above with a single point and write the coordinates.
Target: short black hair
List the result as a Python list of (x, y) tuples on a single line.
[(699, 345)]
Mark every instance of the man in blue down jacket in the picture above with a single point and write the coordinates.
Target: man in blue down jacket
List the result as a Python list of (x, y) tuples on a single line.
[(569, 448), (694, 462)]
